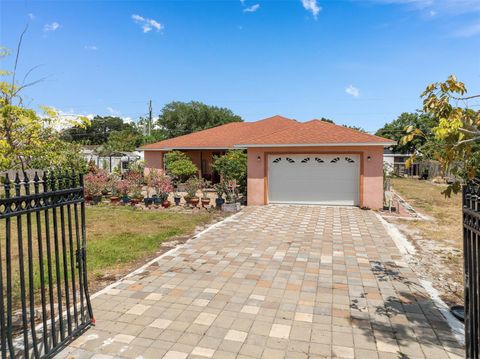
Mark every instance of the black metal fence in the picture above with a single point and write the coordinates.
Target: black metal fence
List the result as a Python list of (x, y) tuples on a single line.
[(471, 247), (44, 299)]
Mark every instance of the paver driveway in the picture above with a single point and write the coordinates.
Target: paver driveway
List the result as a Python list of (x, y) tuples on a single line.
[(274, 282)]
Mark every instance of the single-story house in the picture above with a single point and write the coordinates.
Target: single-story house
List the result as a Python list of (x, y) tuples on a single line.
[(312, 162)]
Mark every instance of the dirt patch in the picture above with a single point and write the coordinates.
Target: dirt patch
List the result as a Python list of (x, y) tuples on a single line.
[(438, 240)]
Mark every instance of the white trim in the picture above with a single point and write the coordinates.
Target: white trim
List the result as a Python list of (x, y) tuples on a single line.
[(187, 148), (384, 144)]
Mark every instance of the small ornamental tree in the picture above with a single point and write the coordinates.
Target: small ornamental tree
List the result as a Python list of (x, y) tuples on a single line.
[(233, 166), (179, 166), (456, 131), (29, 140)]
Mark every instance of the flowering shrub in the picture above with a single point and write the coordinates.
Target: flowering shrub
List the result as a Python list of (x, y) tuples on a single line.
[(123, 187), (160, 183), (95, 183)]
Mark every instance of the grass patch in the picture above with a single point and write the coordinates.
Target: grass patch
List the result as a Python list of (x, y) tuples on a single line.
[(428, 199), (118, 238), (121, 235)]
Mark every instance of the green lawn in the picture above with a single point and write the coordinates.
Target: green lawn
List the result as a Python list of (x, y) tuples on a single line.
[(119, 239), (117, 236)]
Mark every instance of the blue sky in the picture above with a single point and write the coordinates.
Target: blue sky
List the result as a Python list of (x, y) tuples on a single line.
[(357, 62)]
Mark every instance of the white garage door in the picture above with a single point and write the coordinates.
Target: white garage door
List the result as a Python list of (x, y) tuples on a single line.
[(331, 179)]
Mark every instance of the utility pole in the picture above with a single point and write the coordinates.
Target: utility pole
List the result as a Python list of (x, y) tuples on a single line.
[(149, 117)]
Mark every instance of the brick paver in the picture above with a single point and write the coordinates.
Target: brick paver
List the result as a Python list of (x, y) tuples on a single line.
[(273, 282)]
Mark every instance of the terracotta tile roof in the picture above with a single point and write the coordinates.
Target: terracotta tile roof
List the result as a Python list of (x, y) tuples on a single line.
[(316, 132), (276, 130), (225, 136)]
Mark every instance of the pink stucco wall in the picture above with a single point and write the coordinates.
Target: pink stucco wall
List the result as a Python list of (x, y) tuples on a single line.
[(153, 159), (371, 196)]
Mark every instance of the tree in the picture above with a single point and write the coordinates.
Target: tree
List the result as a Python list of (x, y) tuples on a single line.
[(327, 120), (179, 166), (124, 140), (233, 166), (356, 128), (396, 130), (28, 140), (182, 118), (98, 131), (456, 130)]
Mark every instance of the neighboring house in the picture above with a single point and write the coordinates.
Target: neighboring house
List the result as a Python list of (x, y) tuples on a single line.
[(108, 163), (313, 162), (395, 164)]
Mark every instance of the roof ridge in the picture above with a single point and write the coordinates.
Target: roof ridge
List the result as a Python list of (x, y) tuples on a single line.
[(279, 130)]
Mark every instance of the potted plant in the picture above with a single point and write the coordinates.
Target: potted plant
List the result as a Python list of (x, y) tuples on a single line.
[(220, 189), (123, 189), (94, 184), (164, 187), (152, 182), (176, 196), (113, 178), (205, 199), (136, 196), (191, 186), (232, 204)]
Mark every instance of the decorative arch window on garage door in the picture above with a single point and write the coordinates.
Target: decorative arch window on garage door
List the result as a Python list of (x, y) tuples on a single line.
[(335, 160), (276, 160), (349, 160)]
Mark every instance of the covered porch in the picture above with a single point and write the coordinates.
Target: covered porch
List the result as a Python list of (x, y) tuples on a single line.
[(202, 158)]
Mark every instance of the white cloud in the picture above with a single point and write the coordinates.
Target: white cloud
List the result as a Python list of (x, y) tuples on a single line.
[(312, 6), (432, 13), (242, 2), (252, 8), (147, 25), (91, 47), (469, 31), (51, 27), (31, 16), (353, 91), (127, 119), (113, 111)]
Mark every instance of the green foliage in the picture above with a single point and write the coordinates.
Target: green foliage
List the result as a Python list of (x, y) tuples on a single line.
[(326, 120), (356, 128), (396, 130), (98, 132), (123, 141), (179, 166), (455, 134), (28, 140), (192, 185), (182, 118), (233, 166)]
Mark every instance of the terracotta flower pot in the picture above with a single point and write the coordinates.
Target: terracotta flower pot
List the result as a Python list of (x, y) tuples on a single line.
[(134, 201), (114, 199), (166, 204), (205, 202), (194, 201)]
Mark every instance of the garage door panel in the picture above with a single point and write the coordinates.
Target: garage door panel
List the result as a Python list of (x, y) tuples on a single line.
[(314, 179)]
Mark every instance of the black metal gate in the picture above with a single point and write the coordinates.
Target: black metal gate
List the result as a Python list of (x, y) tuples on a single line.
[(44, 299), (471, 248)]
